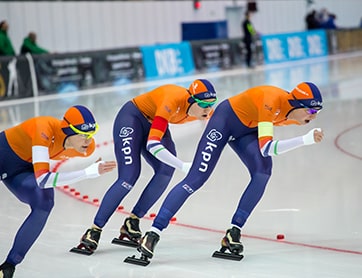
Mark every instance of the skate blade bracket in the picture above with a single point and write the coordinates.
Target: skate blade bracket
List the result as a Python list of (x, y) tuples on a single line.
[(227, 256), (81, 249), (142, 261), (124, 242)]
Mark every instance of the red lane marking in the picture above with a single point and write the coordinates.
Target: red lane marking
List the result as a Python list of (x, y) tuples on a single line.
[(336, 142), (273, 240), (87, 200)]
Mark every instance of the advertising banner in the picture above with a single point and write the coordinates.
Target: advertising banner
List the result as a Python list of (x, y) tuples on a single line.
[(63, 72), (118, 66), (294, 46), (167, 60), (212, 54), (77, 71), (15, 79)]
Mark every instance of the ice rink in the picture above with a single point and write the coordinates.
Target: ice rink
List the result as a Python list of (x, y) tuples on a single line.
[(314, 197)]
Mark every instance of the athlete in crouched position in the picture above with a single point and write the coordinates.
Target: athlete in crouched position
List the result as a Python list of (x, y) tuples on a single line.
[(26, 151), (245, 122), (141, 128)]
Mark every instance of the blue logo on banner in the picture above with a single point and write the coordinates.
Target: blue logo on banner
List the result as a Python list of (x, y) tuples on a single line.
[(294, 46), (168, 60)]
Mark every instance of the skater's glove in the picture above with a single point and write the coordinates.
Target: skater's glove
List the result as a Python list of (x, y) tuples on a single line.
[(308, 139), (92, 171), (186, 167)]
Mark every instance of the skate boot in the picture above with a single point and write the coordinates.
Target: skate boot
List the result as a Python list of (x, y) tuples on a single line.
[(91, 238), (131, 228), (88, 242), (148, 244), (146, 247), (7, 270), (230, 242), (130, 233)]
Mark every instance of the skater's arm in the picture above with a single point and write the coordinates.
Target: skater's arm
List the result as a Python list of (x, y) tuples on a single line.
[(270, 147), (47, 179), (52, 179), (155, 147)]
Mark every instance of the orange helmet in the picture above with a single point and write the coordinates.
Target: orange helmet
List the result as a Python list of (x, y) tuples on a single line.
[(202, 89), (78, 119), (306, 95)]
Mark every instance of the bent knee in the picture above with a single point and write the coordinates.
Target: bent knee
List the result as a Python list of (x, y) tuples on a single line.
[(44, 204)]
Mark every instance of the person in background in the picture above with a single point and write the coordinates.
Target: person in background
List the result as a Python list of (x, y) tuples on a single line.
[(248, 39), (6, 47), (311, 20), (330, 22), (30, 46), (141, 127), (26, 151), (245, 122)]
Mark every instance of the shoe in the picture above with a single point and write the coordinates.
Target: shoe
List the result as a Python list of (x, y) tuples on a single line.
[(148, 244), (131, 228), (232, 242), (91, 238), (7, 270)]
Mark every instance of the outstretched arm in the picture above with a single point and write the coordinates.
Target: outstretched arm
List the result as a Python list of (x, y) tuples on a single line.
[(270, 147), (47, 179)]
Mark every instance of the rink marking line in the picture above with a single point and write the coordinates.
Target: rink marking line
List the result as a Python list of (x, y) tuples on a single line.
[(73, 193), (340, 147), (326, 248)]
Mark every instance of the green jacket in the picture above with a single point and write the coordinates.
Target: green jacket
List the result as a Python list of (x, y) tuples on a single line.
[(31, 47), (6, 47)]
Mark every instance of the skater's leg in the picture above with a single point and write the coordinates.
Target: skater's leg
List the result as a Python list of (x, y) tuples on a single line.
[(196, 177), (160, 180), (128, 136), (259, 168), (41, 202), (152, 192)]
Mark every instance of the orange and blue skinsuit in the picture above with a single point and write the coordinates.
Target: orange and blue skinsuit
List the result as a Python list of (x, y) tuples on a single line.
[(141, 129), (245, 122), (26, 150)]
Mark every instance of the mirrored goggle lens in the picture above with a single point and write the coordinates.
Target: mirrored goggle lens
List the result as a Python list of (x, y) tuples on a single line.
[(87, 135), (312, 111), (204, 104)]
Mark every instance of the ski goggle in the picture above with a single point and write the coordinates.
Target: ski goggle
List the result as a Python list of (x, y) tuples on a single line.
[(204, 104), (86, 134), (310, 111)]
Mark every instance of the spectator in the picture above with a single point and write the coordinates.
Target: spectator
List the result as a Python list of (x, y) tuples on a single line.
[(6, 47), (312, 21), (330, 22), (30, 46), (322, 16)]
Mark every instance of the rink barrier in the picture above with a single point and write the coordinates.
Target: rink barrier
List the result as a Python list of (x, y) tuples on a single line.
[(46, 74)]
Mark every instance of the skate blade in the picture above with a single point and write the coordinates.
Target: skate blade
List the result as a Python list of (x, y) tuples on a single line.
[(142, 261), (80, 249), (128, 243), (228, 256)]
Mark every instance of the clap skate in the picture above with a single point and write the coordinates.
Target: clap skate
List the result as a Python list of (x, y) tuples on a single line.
[(231, 247), (88, 242), (146, 247), (130, 233)]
